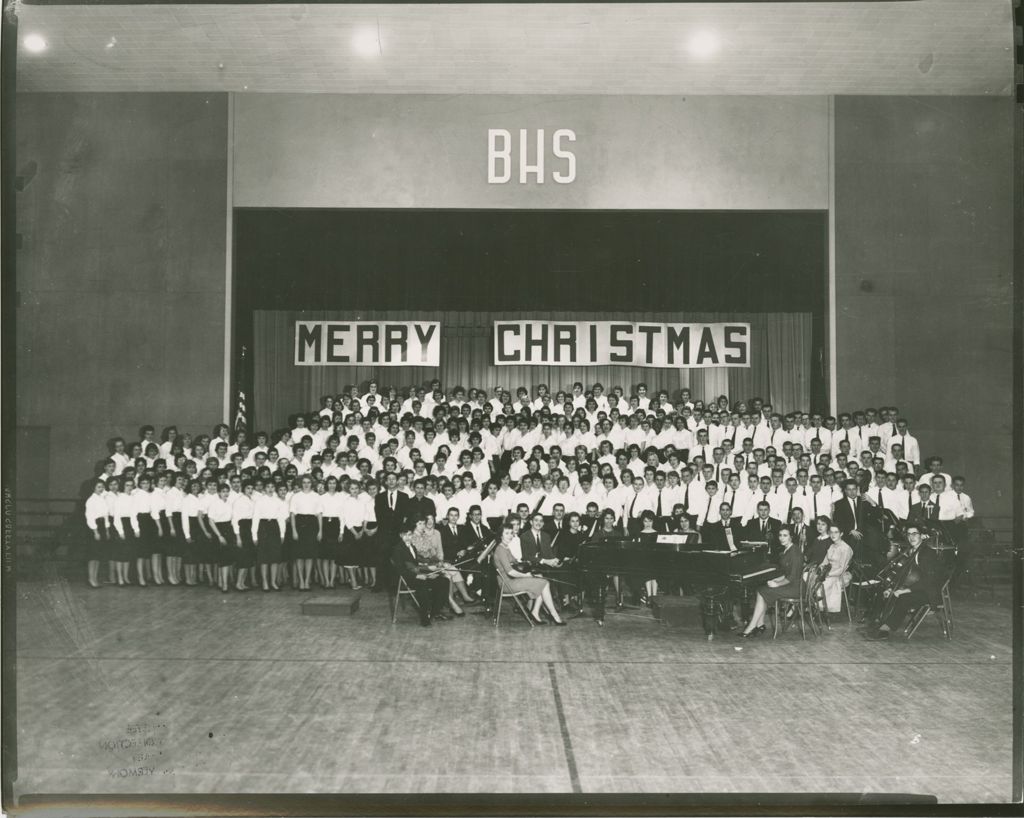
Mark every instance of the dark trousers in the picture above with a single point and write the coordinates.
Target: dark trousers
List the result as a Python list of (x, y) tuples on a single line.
[(905, 604), (431, 595)]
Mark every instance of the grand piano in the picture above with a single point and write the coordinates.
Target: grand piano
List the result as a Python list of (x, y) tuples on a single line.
[(716, 576)]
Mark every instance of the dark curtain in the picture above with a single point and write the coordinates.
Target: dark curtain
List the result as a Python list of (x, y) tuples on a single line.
[(780, 358)]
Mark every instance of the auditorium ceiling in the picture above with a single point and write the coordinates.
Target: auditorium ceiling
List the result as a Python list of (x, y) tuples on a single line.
[(926, 47)]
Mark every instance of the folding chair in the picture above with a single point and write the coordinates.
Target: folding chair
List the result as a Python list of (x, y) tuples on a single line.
[(403, 590), (919, 617), (504, 592), (947, 606)]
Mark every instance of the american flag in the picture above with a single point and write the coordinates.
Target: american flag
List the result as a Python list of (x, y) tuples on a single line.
[(241, 415)]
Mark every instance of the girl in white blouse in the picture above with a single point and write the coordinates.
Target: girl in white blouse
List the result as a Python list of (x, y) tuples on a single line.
[(333, 516), (145, 526), (158, 512), (307, 530), (126, 524), (190, 529), (96, 517), (207, 542), (242, 512), (353, 523), (174, 540), (218, 515), (269, 518)]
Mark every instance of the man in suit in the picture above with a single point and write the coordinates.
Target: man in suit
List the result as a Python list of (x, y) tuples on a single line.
[(431, 592), (392, 510), (556, 522), (451, 535), (801, 534), (724, 535), (923, 585), (763, 527), (392, 507), (926, 510), (474, 536), (535, 541)]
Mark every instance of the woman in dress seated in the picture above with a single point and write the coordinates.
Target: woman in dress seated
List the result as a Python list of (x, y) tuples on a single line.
[(426, 539), (837, 561), (518, 582), (787, 587)]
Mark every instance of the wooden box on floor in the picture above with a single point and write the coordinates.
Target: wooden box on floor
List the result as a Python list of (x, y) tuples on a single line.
[(333, 603), (676, 610)]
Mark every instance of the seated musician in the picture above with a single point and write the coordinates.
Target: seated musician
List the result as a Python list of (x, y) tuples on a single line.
[(536, 542), (427, 541), (837, 561), (608, 530), (682, 523), (921, 584), (429, 588), (726, 534), (515, 581), (474, 536), (786, 587), (451, 535)]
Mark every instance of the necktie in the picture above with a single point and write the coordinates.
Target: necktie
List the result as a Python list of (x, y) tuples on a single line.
[(789, 511), (454, 529), (476, 528), (633, 504), (686, 498), (881, 499), (659, 502), (391, 500), (707, 511), (718, 469), (853, 506), (814, 500), (847, 435), (764, 529)]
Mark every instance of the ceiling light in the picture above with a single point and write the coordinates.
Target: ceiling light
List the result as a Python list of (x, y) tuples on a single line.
[(34, 43), (703, 44), (366, 42)]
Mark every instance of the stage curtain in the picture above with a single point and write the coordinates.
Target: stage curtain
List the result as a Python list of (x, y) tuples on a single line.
[(282, 389), (789, 361)]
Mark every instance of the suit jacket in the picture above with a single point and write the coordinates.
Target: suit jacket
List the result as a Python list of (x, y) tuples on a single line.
[(549, 526), (388, 521), (531, 550), (842, 516), (567, 544), (451, 543), (468, 538), (803, 537), (713, 537), (422, 507), (403, 558), (919, 515), (752, 532)]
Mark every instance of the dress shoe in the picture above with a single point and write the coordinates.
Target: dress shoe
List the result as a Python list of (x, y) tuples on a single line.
[(876, 636), (561, 622)]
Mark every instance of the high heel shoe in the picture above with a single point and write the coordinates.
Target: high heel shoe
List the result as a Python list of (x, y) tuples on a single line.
[(560, 622)]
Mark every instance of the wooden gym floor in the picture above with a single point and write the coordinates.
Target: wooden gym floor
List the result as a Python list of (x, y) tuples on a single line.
[(177, 691)]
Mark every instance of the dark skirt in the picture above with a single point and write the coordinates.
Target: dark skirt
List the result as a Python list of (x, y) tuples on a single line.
[(786, 593), (147, 542), (329, 545), (268, 547), (246, 555), (160, 544), (174, 544), (370, 551), (123, 550), (191, 551), (348, 549), (305, 547), (99, 549), (226, 554)]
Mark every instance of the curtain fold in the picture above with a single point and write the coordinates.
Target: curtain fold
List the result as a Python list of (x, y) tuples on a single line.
[(780, 346)]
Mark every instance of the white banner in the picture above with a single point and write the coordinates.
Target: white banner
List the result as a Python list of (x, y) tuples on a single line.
[(376, 343), (600, 343)]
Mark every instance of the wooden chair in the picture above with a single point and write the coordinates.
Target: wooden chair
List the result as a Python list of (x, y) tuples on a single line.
[(403, 590), (504, 592), (783, 607)]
